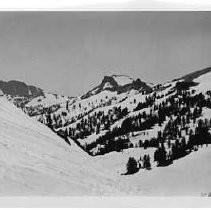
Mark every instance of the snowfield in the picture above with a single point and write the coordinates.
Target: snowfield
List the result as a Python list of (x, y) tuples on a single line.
[(204, 83), (189, 176), (122, 79), (35, 161), (48, 100)]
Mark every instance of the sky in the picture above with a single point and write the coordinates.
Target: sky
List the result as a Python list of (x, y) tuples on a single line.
[(70, 52)]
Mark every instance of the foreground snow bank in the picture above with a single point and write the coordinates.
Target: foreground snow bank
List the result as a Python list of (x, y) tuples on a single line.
[(35, 161), (188, 176)]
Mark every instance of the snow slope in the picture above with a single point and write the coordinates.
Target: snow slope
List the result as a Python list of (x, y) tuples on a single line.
[(204, 83), (47, 100), (122, 79), (189, 176), (35, 161)]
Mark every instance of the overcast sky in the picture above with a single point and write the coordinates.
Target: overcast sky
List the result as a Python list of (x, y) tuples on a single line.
[(70, 52)]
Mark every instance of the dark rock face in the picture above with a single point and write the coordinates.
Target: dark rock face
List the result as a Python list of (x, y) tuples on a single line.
[(108, 80), (185, 85), (16, 88), (114, 86), (136, 85), (188, 79)]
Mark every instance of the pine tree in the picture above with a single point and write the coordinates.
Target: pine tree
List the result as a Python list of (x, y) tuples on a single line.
[(49, 120), (160, 156), (132, 166), (67, 105), (146, 162)]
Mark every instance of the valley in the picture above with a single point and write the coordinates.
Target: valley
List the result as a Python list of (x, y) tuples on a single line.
[(123, 137)]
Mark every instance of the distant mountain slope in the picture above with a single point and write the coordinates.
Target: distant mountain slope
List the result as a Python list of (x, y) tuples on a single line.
[(191, 76), (17, 88), (22, 94), (35, 161), (125, 109)]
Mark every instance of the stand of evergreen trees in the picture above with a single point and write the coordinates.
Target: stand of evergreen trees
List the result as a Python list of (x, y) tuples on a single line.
[(179, 109), (133, 166)]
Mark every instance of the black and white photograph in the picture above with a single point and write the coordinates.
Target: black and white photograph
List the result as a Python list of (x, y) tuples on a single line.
[(105, 103)]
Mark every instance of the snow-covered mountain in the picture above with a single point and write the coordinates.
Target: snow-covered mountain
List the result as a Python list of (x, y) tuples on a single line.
[(124, 111), (17, 88), (126, 127), (119, 84), (22, 94)]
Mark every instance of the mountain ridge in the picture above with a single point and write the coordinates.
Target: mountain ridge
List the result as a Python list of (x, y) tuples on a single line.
[(110, 106), (194, 75), (116, 83), (18, 88)]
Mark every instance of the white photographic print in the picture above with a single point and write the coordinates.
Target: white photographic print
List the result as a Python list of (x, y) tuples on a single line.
[(105, 105)]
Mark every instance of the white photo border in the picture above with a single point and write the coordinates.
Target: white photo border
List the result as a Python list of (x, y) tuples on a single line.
[(101, 5)]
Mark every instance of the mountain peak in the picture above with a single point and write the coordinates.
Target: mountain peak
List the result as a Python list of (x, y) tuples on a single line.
[(18, 88), (119, 83), (116, 80)]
